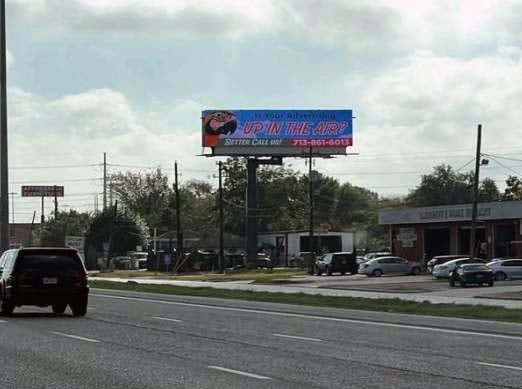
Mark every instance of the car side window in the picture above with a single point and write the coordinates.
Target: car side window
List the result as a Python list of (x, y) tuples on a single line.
[(509, 263)]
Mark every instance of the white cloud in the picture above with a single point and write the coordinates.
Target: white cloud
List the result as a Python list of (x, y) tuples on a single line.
[(425, 110), (186, 18), (77, 129)]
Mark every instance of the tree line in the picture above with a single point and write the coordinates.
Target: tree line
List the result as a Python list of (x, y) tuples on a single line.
[(146, 200)]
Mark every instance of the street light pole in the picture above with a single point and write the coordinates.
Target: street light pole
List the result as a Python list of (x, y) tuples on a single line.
[(4, 170)]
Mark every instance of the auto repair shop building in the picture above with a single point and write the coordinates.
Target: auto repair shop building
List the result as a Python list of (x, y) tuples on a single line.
[(443, 230)]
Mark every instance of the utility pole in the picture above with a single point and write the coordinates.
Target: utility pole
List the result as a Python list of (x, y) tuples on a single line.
[(31, 233), (111, 194), (104, 181), (55, 204), (42, 217), (472, 251), (311, 201), (156, 249), (221, 237), (12, 229), (179, 233), (4, 169)]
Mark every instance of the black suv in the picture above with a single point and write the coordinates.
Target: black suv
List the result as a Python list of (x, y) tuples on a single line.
[(336, 263), (43, 277)]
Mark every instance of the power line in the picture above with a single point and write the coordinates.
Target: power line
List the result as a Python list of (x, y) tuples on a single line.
[(51, 167), (505, 166)]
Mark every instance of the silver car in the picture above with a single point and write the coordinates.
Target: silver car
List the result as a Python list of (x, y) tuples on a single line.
[(444, 270), (389, 265), (507, 269)]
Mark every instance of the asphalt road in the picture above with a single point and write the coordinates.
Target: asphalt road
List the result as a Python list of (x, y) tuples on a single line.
[(138, 340)]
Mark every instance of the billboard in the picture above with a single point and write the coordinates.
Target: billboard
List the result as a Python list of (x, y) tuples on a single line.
[(42, 191), (277, 132)]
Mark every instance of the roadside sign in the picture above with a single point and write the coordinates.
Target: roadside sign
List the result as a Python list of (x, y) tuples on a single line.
[(78, 243), (42, 191)]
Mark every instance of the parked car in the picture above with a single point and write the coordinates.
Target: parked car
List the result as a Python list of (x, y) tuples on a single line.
[(377, 255), (360, 259), (121, 262), (339, 262), (43, 277), (389, 265), (472, 273), (298, 259), (440, 259), (507, 269), (444, 270), (263, 261), (141, 257)]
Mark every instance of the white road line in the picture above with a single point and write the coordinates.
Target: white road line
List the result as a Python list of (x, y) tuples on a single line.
[(75, 337), (298, 337), (3, 321), (166, 319), (500, 366), (243, 373), (313, 317)]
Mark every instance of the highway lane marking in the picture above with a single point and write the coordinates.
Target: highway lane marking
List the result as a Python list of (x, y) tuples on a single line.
[(500, 366), (298, 337), (324, 318), (2, 321), (238, 372), (75, 337), (166, 319)]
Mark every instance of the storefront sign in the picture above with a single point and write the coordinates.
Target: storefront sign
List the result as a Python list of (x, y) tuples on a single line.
[(407, 236), (486, 211)]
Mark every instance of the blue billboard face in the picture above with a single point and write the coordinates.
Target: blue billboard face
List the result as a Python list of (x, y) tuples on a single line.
[(273, 128)]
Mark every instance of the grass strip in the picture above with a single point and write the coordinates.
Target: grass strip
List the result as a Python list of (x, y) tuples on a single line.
[(481, 312)]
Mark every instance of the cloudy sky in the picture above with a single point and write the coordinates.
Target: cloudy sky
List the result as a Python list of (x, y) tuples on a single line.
[(130, 77)]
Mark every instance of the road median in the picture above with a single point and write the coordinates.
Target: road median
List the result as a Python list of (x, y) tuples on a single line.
[(476, 311)]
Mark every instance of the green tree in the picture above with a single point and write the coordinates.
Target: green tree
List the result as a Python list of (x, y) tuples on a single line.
[(488, 190), (54, 231), (121, 231), (143, 194), (513, 189), (444, 186)]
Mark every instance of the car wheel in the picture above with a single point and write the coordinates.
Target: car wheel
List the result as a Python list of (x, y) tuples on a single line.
[(491, 283), (377, 273), (7, 308), (463, 284), (79, 306), (500, 276), (59, 308), (416, 271), (328, 271)]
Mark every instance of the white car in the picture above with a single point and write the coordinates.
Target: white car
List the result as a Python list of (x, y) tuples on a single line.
[(444, 270), (508, 269)]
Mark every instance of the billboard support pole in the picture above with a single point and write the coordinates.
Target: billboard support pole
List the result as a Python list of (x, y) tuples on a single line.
[(221, 238), (251, 211)]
